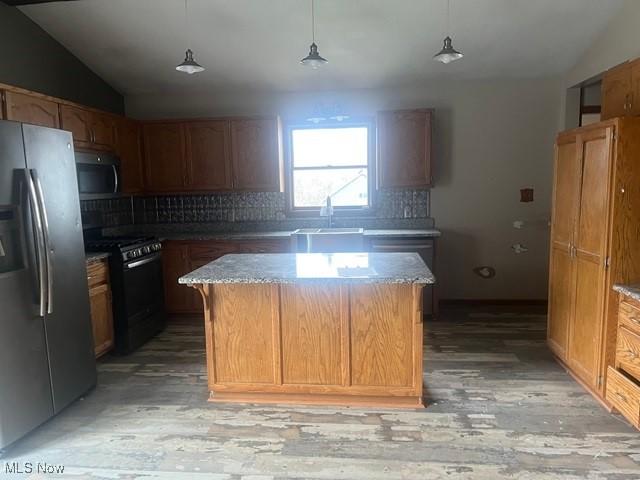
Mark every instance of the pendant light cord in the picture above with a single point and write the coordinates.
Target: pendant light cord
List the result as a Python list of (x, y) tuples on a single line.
[(448, 18), (186, 23), (313, 23)]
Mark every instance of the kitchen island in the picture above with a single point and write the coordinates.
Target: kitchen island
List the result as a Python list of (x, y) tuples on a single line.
[(313, 328)]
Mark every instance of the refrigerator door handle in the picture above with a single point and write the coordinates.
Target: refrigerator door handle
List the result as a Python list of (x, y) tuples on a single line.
[(115, 179), (47, 242), (40, 246)]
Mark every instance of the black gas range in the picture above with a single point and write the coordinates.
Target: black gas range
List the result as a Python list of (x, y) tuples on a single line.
[(135, 268)]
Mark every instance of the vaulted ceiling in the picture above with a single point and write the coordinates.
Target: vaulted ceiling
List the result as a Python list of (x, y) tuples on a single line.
[(257, 44)]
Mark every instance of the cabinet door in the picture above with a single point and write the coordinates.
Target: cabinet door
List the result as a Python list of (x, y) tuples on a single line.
[(28, 109), (78, 122), (255, 147), (129, 150), (209, 155), (404, 148), (586, 329), (566, 195), (634, 108), (383, 330), (616, 91), (103, 130), (164, 155), (175, 263), (101, 318)]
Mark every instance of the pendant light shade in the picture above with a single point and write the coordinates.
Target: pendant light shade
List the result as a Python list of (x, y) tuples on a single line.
[(314, 59), (189, 65), (448, 54)]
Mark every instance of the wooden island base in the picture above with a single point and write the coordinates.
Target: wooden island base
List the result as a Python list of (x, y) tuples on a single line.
[(330, 344)]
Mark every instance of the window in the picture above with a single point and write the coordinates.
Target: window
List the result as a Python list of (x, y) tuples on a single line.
[(330, 161)]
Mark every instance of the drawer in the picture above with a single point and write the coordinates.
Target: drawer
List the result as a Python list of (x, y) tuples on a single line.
[(97, 273), (624, 395), (629, 316), (628, 352)]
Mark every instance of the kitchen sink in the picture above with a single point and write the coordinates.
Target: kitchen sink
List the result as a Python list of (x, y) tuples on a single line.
[(340, 231), (328, 240), (328, 231)]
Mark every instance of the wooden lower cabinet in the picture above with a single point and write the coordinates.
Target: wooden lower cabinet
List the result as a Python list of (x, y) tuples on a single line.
[(101, 307), (176, 263), (594, 244), (182, 257), (623, 379), (358, 344)]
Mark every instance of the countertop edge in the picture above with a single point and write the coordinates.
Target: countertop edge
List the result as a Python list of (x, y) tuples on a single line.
[(629, 290), (285, 235)]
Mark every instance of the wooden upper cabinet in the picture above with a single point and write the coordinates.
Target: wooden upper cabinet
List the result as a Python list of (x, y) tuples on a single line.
[(78, 122), (91, 130), (103, 127), (256, 153), (209, 155), (634, 108), (164, 156), (29, 109), (129, 149), (616, 92), (404, 148)]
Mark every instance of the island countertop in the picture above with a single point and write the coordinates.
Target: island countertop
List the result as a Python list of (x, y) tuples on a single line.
[(290, 268)]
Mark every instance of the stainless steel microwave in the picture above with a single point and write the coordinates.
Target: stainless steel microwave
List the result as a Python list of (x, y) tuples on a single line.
[(98, 175)]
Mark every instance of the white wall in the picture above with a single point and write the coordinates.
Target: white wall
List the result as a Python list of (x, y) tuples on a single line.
[(619, 42), (492, 137)]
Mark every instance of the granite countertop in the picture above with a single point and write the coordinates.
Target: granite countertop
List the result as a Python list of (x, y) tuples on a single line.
[(395, 233), (92, 257), (632, 291), (225, 235), (313, 268)]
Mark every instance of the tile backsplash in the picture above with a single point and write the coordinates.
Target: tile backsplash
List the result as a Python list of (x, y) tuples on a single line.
[(232, 208)]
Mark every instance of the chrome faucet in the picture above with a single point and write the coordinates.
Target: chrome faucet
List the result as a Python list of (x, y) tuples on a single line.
[(327, 211)]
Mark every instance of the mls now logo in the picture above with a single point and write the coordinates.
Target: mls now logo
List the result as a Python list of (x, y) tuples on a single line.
[(30, 467)]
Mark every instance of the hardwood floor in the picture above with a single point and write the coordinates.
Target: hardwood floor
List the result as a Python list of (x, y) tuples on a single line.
[(499, 407)]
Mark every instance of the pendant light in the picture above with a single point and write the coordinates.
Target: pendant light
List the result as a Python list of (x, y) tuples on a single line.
[(189, 65), (313, 60), (448, 54)]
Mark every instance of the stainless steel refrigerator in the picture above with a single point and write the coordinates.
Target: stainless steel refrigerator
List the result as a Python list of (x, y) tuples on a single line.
[(46, 344)]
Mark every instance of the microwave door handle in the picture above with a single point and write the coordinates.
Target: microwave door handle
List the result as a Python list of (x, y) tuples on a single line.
[(47, 240), (36, 219), (115, 178)]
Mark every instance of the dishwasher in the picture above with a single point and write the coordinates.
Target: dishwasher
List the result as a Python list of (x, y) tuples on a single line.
[(422, 246)]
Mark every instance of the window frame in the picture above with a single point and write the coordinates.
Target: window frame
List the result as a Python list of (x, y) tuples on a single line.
[(367, 210)]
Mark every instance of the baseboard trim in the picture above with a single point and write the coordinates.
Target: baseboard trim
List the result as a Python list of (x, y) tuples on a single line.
[(493, 301)]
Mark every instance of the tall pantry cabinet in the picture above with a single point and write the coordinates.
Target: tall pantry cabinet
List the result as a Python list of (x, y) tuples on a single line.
[(595, 242)]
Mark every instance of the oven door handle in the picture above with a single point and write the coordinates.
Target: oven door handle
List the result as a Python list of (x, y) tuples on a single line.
[(144, 261), (115, 178)]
